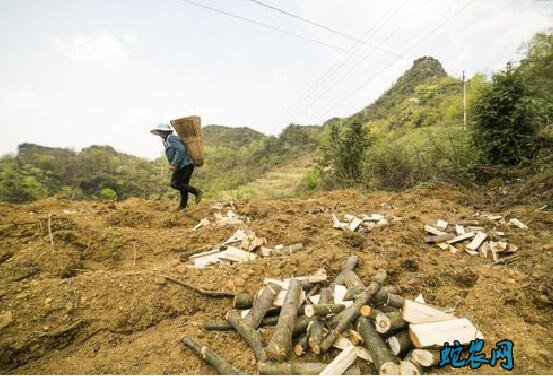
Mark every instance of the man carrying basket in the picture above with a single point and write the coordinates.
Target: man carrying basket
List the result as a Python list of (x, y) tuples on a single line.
[(180, 164)]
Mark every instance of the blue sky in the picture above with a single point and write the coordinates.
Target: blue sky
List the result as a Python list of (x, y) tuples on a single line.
[(81, 72)]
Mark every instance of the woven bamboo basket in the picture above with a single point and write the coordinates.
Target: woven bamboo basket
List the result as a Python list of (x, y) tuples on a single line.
[(189, 130)]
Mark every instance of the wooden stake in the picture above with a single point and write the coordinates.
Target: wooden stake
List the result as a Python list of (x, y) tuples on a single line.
[(248, 333), (263, 302), (383, 358), (210, 357), (281, 341)]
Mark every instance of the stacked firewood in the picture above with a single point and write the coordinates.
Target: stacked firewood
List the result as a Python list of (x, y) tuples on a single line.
[(367, 322), (475, 237)]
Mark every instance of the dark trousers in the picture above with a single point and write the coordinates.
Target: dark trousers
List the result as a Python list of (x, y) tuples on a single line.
[(180, 181)]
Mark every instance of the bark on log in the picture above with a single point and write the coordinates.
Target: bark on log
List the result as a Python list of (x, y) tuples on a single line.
[(395, 300), (368, 312), (400, 343), (281, 341), (426, 357), (301, 346), (269, 368), (383, 358), (326, 296), (352, 312), (353, 283), (199, 290), (242, 301), (248, 333), (350, 264), (262, 304), (316, 331), (390, 321), (381, 296), (210, 357), (225, 325), (321, 310)]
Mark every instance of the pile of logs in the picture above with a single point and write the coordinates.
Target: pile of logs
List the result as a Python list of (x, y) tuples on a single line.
[(362, 323), (474, 237), (360, 223)]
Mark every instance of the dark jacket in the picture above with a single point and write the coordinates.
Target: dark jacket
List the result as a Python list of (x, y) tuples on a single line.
[(176, 152)]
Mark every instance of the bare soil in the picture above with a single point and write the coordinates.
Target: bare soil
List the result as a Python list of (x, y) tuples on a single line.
[(94, 302)]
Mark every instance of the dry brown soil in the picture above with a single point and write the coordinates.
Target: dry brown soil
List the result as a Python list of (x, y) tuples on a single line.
[(94, 303)]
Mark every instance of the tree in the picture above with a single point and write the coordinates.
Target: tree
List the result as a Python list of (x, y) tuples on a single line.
[(504, 120)]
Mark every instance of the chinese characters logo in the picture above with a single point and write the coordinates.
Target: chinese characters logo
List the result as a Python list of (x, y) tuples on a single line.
[(475, 359)]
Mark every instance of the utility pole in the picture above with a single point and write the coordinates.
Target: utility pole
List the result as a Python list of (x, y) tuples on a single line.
[(464, 102)]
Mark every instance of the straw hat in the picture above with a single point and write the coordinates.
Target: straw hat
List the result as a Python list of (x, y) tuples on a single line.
[(161, 127)]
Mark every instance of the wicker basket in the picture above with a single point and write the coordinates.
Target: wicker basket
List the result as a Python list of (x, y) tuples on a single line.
[(189, 130)]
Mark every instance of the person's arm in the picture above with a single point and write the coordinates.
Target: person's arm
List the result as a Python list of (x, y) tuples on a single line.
[(180, 150)]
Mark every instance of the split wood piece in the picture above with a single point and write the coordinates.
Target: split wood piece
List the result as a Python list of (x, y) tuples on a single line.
[(389, 321), (199, 290), (339, 294), (383, 358), (350, 264), (518, 223), (460, 238), (316, 332), (342, 342), (326, 296), (426, 357), (381, 297), (352, 312), (225, 325), (321, 310), (270, 368), (237, 254), (441, 224), (242, 301), (210, 357), (395, 300), (408, 367), (434, 334), (433, 230), (368, 312), (263, 302), (281, 341), (248, 333), (301, 347), (279, 300), (355, 223), (459, 229), (337, 224), (400, 343), (185, 256), (476, 241), (341, 363), (438, 238), (419, 313)]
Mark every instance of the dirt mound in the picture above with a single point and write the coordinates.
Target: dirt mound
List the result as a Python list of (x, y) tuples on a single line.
[(94, 302)]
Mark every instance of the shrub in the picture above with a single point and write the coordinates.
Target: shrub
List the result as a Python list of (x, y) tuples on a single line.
[(108, 194)]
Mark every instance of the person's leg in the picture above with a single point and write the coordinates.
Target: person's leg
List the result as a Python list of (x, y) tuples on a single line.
[(184, 175)]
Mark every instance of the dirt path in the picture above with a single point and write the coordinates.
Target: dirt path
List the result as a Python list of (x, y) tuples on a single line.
[(94, 303)]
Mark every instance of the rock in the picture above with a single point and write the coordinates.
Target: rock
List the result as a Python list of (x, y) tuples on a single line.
[(159, 281), (6, 318), (47, 300)]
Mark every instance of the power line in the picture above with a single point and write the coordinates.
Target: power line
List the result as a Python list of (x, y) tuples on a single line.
[(321, 26), (405, 52), (274, 28), (318, 84)]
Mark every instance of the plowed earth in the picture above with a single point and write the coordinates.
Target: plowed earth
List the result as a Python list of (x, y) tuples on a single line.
[(94, 303)]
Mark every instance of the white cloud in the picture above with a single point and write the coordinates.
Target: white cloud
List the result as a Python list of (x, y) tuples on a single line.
[(101, 48)]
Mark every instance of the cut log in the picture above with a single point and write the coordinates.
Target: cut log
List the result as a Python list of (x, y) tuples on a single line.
[(300, 325), (316, 332), (326, 296), (350, 264), (368, 312), (418, 313), (381, 296), (352, 312), (281, 341), (389, 321), (321, 310), (351, 279), (301, 346), (225, 325), (383, 358), (438, 238), (263, 302), (248, 333), (476, 241), (211, 357), (342, 342), (408, 367), (242, 301), (395, 300), (426, 357), (400, 343), (340, 363), (270, 368), (199, 290), (437, 333)]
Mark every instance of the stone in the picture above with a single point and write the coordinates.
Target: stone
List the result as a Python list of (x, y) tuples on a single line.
[(6, 318)]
